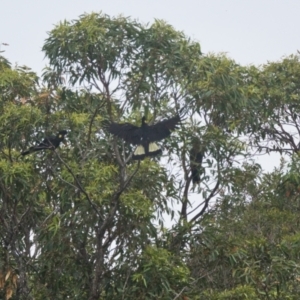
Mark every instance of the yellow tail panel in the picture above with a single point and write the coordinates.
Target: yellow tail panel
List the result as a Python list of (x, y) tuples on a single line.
[(153, 147), (139, 151)]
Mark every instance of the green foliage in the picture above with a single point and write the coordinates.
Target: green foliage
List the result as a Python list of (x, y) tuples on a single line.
[(16, 83), (276, 87), (239, 293), (173, 275), (253, 245), (84, 221)]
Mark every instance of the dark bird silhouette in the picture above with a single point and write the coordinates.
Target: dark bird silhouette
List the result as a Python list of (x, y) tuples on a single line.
[(196, 157), (50, 142), (144, 136)]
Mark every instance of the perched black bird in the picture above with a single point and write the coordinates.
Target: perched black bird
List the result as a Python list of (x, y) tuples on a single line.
[(50, 142), (144, 136), (196, 157)]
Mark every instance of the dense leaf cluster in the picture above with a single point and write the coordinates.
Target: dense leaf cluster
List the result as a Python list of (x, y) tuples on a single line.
[(84, 221)]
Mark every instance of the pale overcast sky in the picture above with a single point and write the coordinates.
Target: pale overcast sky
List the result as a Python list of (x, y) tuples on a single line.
[(249, 31)]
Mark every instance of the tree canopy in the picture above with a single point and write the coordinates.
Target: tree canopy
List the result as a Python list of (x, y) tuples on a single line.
[(85, 221)]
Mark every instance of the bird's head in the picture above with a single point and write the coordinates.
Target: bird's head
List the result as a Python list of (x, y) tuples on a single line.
[(61, 134)]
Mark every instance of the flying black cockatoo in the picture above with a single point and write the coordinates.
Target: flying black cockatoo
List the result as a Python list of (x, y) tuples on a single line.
[(196, 157), (144, 136), (50, 142)]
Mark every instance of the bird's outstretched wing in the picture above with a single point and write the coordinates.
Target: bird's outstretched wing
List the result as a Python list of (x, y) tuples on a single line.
[(126, 131), (162, 129)]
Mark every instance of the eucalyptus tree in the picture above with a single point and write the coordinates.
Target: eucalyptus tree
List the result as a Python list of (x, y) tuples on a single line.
[(85, 224), (275, 86)]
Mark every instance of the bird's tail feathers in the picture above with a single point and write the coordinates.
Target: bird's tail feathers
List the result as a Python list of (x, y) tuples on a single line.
[(139, 153), (30, 150), (195, 175), (154, 149), (140, 150), (35, 148), (25, 152)]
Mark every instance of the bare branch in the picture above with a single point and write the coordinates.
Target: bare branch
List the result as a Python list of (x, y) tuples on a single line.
[(212, 194), (178, 295), (80, 186)]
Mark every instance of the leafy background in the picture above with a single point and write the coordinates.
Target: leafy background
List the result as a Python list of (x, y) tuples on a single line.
[(85, 222)]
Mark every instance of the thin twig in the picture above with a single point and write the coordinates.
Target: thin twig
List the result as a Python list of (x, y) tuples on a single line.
[(206, 201), (115, 200), (178, 295), (80, 186)]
